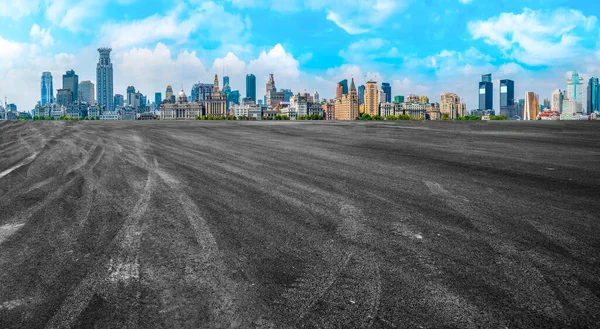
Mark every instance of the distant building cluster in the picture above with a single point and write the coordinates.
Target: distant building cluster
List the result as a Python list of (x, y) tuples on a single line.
[(87, 100)]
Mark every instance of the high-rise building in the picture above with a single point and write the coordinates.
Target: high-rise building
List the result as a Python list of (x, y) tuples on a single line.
[(316, 97), (361, 94), (532, 106), (157, 99), (225, 81), (557, 100), (387, 89), (251, 86), (520, 107), (486, 90), (593, 95), (119, 100), (169, 93), (346, 107), (130, 95), (507, 98), (47, 90), (451, 105), (424, 99), (371, 98), (86, 89), (398, 99), (575, 91), (344, 84), (104, 80), (339, 90), (216, 102), (71, 82), (547, 104)]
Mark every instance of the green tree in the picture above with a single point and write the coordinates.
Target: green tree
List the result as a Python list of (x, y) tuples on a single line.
[(445, 116)]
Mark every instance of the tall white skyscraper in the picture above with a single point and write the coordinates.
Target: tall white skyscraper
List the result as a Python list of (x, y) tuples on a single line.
[(104, 80), (47, 89), (575, 91), (557, 100)]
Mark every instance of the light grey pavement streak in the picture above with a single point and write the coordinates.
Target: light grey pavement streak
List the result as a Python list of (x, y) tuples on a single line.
[(222, 224)]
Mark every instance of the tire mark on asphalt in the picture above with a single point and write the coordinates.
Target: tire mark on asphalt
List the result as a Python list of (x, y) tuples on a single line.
[(8, 230), (28, 160), (213, 273), (108, 275)]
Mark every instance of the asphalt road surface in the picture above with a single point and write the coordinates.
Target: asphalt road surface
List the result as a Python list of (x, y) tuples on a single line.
[(222, 224)]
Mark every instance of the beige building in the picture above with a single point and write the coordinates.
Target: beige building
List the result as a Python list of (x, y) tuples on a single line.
[(371, 98), (433, 111), (216, 103), (169, 93), (531, 109), (416, 110), (274, 97), (450, 104), (346, 107), (181, 109)]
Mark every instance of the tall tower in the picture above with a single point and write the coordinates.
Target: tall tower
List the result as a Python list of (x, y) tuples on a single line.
[(251, 86), (86, 89), (593, 96), (344, 84), (575, 91), (71, 82), (507, 97), (104, 80), (47, 90), (371, 98), (486, 90), (216, 90), (361, 94), (387, 89)]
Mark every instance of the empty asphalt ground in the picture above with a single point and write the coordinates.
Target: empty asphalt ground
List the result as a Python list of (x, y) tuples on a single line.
[(222, 224)]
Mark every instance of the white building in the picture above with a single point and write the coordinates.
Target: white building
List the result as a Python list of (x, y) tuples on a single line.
[(387, 109), (557, 100), (110, 115)]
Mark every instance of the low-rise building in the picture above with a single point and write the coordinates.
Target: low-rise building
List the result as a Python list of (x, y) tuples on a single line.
[(328, 110), (387, 109), (110, 115), (432, 111), (416, 110), (181, 109)]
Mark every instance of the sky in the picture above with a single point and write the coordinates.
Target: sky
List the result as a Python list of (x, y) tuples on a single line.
[(422, 47)]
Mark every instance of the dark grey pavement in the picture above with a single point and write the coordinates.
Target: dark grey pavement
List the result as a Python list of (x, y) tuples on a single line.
[(221, 224)]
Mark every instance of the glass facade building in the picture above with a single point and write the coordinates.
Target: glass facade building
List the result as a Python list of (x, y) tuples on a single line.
[(507, 98), (486, 93)]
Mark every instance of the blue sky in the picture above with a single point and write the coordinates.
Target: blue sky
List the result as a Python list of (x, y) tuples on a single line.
[(420, 47)]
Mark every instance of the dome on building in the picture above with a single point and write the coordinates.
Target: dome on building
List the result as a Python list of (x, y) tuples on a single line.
[(182, 97)]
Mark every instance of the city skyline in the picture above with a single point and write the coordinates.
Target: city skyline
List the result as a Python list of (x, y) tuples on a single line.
[(421, 48)]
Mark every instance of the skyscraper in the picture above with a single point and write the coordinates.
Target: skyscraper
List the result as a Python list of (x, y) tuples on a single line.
[(557, 100), (344, 84), (593, 96), (339, 90), (71, 82), (86, 89), (104, 80), (251, 86), (371, 98), (118, 100), (486, 90), (361, 94), (130, 95), (575, 91), (532, 106), (157, 99), (507, 98), (47, 89), (225, 81), (387, 89)]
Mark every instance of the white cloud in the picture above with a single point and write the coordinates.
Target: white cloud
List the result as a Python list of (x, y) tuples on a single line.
[(72, 15), (464, 2), (41, 35), (214, 23), (535, 37), (16, 9)]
